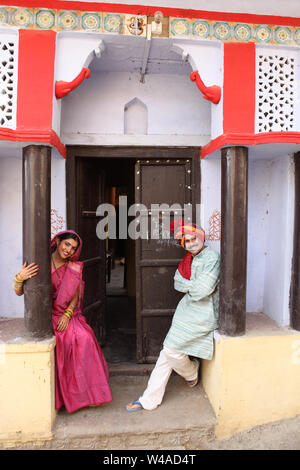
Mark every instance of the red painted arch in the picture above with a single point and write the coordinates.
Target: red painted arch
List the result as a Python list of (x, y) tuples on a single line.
[(34, 136), (250, 139)]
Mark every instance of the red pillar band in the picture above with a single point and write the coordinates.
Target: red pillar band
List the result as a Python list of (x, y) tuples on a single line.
[(239, 88), (35, 79)]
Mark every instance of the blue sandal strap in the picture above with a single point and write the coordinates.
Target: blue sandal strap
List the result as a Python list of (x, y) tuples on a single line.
[(135, 402)]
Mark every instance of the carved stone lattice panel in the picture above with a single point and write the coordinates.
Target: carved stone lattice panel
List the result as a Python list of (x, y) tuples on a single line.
[(8, 80), (275, 92)]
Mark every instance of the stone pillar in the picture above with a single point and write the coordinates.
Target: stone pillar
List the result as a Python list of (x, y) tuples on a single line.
[(295, 278), (36, 238), (234, 189)]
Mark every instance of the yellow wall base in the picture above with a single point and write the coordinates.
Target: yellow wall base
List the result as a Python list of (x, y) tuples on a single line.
[(253, 379), (27, 381)]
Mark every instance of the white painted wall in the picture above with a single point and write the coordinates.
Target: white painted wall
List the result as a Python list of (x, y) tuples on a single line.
[(10, 233), (11, 245), (95, 110), (210, 196), (58, 193), (258, 219), (207, 57), (270, 230), (270, 227), (73, 52), (279, 240), (135, 118)]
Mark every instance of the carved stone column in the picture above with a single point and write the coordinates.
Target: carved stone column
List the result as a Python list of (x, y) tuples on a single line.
[(234, 202), (295, 278), (36, 238)]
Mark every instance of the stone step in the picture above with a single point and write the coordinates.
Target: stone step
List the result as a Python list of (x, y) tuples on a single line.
[(129, 369), (185, 420)]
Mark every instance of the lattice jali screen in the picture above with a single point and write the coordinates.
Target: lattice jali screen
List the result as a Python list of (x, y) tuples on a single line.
[(275, 92), (8, 80)]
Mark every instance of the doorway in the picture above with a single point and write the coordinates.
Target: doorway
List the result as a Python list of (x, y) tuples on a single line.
[(129, 296), (120, 309)]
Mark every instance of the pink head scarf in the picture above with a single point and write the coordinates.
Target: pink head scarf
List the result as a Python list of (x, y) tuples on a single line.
[(77, 252)]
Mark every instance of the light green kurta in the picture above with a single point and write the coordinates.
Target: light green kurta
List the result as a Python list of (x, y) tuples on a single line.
[(196, 315)]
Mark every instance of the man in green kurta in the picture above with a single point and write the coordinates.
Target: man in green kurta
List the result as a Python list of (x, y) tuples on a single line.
[(194, 321)]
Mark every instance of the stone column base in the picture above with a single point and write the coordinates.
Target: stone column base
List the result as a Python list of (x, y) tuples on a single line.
[(27, 390), (253, 379)]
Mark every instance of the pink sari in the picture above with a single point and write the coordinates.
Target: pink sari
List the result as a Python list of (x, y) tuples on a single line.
[(81, 369)]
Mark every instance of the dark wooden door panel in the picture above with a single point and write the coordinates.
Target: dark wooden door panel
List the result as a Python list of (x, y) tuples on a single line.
[(166, 181), (154, 330), (90, 193), (156, 176), (159, 280), (166, 175)]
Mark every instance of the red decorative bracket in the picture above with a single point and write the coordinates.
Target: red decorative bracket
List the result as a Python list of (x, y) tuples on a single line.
[(64, 88), (211, 93)]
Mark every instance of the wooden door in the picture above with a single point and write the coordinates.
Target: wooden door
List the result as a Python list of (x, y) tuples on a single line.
[(157, 182), (90, 194)]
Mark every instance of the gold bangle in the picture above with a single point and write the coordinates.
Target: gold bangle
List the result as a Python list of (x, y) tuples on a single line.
[(19, 277), (16, 280), (67, 315), (18, 286)]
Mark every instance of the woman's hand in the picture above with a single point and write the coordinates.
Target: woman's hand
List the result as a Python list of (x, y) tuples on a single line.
[(26, 272), (62, 323)]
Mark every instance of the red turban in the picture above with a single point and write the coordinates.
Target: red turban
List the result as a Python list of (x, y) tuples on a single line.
[(180, 228)]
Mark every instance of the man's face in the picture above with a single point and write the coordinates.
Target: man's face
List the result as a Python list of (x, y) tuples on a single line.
[(193, 244)]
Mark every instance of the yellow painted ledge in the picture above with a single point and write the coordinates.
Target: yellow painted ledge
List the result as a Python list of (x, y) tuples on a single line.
[(27, 389), (253, 379)]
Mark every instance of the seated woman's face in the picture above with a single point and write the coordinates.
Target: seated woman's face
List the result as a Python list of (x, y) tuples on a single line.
[(66, 248)]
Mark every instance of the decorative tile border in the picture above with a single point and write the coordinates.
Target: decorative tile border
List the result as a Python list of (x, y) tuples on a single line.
[(128, 24), (68, 20), (234, 32)]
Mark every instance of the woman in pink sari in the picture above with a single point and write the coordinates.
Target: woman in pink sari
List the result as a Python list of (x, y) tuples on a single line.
[(81, 369)]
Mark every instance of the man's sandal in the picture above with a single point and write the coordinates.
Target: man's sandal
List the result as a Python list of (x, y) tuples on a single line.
[(193, 383), (140, 407)]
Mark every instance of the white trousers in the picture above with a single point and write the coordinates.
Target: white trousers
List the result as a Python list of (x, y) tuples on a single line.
[(166, 362)]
